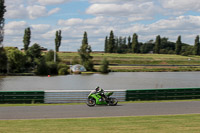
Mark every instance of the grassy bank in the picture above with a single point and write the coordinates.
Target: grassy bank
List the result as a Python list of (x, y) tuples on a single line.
[(141, 124), (163, 60), (153, 69), (139, 59)]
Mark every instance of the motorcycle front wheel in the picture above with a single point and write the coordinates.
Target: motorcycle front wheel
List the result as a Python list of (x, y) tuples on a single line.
[(91, 102), (112, 102)]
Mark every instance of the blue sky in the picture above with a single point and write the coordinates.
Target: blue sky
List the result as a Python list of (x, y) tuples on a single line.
[(147, 18)]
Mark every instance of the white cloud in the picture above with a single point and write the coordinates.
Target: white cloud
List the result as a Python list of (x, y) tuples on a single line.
[(134, 11), (36, 11), (15, 10), (52, 2), (40, 28), (69, 22), (96, 21), (15, 27), (53, 11), (109, 9), (49, 34), (14, 33), (181, 5), (181, 23), (112, 1), (21, 10)]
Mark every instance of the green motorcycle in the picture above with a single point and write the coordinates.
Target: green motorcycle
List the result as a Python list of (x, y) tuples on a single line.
[(101, 98)]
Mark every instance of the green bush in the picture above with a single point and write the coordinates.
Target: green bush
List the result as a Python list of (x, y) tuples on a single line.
[(49, 56), (16, 60), (52, 67), (42, 68), (89, 66), (104, 68), (63, 71), (3, 60)]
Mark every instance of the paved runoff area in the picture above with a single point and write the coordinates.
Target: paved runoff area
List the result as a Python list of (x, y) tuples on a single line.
[(83, 111)]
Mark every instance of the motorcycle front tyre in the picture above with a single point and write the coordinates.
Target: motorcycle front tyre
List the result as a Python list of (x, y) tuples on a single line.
[(91, 102)]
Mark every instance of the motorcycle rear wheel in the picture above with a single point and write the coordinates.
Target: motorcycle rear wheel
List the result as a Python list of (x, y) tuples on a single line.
[(112, 102), (91, 102)]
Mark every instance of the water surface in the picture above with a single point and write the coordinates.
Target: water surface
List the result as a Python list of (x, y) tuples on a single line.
[(111, 81)]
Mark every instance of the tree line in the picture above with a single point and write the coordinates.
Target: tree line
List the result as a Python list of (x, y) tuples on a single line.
[(31, 59), (161, 45)]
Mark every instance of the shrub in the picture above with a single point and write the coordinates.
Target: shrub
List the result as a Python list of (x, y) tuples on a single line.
[(104, 68), (42, 68), (50, 56), (52, 66), (17, 61), (63, 71)]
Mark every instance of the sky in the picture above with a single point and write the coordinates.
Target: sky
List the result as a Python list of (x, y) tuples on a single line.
[(147, 18)]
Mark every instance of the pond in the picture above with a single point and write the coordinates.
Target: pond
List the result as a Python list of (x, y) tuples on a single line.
[(111, 81)]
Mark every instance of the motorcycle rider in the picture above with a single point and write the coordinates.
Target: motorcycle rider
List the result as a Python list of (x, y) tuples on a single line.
[(101, 92)]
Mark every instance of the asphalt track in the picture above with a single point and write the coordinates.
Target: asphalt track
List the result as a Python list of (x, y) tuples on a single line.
[(83, 111)]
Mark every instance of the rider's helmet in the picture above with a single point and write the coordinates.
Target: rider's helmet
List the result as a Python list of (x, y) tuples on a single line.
[(97, 89)]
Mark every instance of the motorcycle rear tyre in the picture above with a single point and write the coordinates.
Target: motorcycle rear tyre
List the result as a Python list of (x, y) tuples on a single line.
[(112, 102)]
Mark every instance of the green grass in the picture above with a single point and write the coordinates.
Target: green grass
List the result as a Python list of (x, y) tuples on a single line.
[(139, 59), (153, 69), (140, 124)]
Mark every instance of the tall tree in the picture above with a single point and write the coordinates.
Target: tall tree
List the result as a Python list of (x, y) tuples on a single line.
[(116, 45), (34, 52), (178, 46), (197, 46), (84, 52), (58, 40), (3, 60), (27, 38), (2, 20), (135, 44), (129, 42), (111, 43), (157, 45), (106, 45)]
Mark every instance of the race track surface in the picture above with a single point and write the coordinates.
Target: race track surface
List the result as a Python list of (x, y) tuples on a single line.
[(83, 111)]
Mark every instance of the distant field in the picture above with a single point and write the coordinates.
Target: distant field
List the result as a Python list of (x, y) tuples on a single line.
[(140, 124), (138, 59), (164, 60)]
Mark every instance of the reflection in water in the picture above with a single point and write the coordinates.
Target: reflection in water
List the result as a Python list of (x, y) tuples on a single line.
[(1, 83), (112, 81)]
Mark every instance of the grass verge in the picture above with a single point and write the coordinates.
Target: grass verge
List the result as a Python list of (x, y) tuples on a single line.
[(140, 124)]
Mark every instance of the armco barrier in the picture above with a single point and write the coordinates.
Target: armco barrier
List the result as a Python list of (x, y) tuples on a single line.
[(21, 96), (79, 96), (163, 94)]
